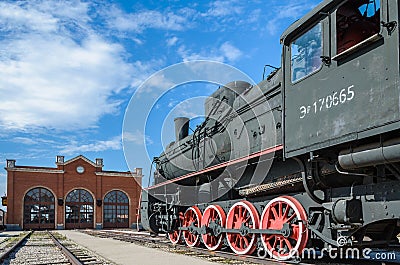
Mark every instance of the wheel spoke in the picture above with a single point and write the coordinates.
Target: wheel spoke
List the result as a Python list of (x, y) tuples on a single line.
[(275, 242), (280, 243), (285, 214), (213, 215), (274, 212), (247, 219), (237, 238), (288, 244), (280, 209), (267, 238), (290, 218), (246, 241)]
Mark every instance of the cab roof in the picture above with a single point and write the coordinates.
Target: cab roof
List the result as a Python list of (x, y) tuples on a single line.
[(318, 12)]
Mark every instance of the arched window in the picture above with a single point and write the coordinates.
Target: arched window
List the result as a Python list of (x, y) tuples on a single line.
[(39, 210), (116, 209), (79, 209)]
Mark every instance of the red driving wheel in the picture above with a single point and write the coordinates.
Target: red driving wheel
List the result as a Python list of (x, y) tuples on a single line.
[(191, 216), (214, 215), (175, 236), (280, 211), (245, 213)]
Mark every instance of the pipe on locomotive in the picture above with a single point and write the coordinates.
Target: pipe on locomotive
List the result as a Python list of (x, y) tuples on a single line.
[(370, 155)]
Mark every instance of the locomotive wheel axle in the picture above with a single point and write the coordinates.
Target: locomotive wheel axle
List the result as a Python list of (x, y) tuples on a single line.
[(216, 230), (244, 230)]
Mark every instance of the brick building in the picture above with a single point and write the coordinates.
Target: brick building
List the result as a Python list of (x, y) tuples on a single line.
[(75, 194)]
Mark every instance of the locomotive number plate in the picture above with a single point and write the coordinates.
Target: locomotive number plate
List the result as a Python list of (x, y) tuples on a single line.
[(326, 103)]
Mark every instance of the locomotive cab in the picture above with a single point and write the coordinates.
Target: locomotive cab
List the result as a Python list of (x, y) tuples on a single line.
[(340, 80)]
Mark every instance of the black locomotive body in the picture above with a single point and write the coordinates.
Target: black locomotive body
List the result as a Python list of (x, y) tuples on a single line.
[(309, 157)]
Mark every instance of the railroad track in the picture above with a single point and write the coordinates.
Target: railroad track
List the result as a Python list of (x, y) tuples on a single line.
[(43, 247), (164, 244), (9, 243), (224, 257)]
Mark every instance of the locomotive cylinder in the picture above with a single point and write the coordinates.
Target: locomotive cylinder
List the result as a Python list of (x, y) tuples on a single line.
[(347, 211)]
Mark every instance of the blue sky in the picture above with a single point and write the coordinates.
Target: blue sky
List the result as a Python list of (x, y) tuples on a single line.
[(68, 69)]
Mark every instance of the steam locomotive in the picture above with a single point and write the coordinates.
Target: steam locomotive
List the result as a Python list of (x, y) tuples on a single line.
[(309, 157)]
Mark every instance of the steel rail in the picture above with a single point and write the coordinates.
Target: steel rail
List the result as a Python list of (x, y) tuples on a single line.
[(11, 250), (68, 254)]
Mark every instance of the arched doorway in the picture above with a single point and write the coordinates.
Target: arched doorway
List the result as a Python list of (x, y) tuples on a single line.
[(116, 210), (79, 209), (39, 209)]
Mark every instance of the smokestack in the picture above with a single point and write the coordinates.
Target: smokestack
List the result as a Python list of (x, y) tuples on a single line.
[(181, 128)]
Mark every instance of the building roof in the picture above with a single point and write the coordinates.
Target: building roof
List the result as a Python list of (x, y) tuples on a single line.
[(80, 157), (11, 166)]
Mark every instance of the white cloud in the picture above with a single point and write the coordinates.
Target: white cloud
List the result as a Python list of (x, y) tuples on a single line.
[(24, 140), (33, 140), (97, 146), (254, 16), (188, 55), (145, 19), (142, 71), (226, 52), (57, 83), (281, 12), (223, 9), (191, 108), (26, 154), (73, 9), (158, 83), (136, 137), (172, 103), (230, 52), (223, 15), (56, 71), (14, 17), (171, 41), (138, 41)]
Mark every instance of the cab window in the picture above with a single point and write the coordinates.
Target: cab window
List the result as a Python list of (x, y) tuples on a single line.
[(306, 53), (356, 21)]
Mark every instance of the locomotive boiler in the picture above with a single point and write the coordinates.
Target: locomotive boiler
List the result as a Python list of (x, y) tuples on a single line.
[(309, 157)]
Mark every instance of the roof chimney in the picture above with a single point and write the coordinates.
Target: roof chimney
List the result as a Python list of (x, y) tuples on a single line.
[(10, 163), (99, 162), (60, 160)]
